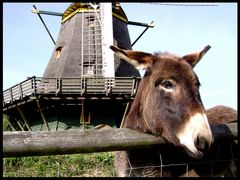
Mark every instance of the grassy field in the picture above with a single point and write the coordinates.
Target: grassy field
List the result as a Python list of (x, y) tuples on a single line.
[(77, 165)]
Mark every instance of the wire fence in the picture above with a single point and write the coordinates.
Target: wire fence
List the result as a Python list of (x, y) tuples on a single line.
[(220, 161)]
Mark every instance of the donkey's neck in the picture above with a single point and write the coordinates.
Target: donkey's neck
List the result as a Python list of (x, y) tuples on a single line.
[(134, 119)]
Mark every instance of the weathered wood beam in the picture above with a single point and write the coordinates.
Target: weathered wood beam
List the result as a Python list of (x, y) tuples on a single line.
[(42, 115), (151, 24), (124, 115), (24, 118), (10, 124), (19, 125), (87, 141), (11, 106), (73, 141), (36, 10), (47, 12), (82, 116)]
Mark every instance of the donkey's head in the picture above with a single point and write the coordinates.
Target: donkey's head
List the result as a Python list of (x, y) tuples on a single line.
[(168, 102)]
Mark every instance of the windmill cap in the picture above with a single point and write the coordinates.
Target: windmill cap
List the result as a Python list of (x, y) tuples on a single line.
[(75, 8)]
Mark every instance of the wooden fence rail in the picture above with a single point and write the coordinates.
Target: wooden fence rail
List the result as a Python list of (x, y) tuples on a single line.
[(27, 143)]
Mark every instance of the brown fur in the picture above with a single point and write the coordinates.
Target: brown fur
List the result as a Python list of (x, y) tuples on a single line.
[(221, 115), (158, 112)]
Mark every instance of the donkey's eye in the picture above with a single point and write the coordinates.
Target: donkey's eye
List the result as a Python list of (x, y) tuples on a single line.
[(197, 84), (167, 84)]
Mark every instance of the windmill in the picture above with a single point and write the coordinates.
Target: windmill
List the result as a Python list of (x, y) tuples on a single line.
[(84, 84), (82, 47)]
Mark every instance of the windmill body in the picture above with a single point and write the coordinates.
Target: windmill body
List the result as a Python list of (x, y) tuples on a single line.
[(83, 43)]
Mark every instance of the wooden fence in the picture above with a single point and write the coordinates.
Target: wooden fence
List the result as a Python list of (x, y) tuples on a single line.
[(27, 143)]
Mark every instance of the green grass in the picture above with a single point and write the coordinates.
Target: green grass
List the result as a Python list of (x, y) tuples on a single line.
[(77, 165), (6, 126)]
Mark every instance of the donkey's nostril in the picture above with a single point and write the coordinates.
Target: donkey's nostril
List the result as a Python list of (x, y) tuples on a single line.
[(201, 144)]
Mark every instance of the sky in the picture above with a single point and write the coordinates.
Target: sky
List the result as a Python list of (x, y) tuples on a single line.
[(181, 30)]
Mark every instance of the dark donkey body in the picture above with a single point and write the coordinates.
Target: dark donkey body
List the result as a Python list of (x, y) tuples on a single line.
[(167, 104)]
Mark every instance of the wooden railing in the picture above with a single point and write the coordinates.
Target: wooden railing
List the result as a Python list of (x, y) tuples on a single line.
[(82, 86), (18, 91)]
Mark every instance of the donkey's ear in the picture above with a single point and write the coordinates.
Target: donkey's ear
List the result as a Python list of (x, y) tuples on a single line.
[(139, 59), (194, 58)]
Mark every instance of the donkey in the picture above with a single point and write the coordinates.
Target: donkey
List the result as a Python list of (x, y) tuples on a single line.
[(167, 104), (221, 115)]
